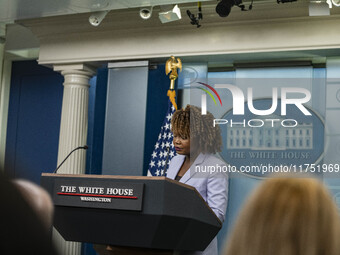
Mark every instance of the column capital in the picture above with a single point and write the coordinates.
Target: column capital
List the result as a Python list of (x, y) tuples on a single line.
[(76, 68)]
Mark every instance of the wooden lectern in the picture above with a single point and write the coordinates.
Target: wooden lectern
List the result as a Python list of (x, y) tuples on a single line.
[(128, 211)]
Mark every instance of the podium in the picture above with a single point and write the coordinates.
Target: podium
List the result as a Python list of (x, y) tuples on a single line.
[(130, 211)]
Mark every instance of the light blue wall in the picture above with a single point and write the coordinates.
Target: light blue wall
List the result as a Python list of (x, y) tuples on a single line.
[(332, 120)]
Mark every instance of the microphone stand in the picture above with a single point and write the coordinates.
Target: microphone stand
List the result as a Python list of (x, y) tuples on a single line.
[(85, 147)]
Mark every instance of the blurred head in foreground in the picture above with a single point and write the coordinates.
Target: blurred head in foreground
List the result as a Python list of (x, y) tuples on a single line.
[(287, 216), (24, 227), (38, 199)]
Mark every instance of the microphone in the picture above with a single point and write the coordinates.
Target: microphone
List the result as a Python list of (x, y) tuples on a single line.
[(85, 147)]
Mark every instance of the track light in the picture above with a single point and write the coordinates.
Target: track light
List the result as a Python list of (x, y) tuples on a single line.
[(172, 15), (145, 13), (223, 8), (97, 17)]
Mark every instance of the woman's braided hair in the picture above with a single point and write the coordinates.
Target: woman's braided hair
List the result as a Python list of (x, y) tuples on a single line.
[(190, 123)]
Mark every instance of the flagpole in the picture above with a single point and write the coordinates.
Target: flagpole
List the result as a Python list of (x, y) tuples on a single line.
[(164, 149)]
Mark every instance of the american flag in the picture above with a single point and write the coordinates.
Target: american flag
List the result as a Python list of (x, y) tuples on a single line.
[(164, 149)]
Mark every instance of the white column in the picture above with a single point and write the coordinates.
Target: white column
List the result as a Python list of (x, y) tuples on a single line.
[(74, 117), (73, 132)]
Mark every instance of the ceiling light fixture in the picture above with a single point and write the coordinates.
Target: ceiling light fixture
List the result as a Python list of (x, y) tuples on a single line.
[(285, 1), (223, 8), (318, 8), (97, 17), (145, 13), (336, 3), (171, 15)]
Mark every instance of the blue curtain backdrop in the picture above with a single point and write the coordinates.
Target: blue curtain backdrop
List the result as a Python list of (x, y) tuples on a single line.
[(33, 120)]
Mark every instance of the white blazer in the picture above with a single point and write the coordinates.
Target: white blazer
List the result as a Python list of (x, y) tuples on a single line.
[(213, 187)]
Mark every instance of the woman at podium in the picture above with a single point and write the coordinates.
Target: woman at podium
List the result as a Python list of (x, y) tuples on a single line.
[(196, 141)]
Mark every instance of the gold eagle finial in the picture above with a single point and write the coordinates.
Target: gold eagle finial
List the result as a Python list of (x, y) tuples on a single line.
[(171, 65)]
